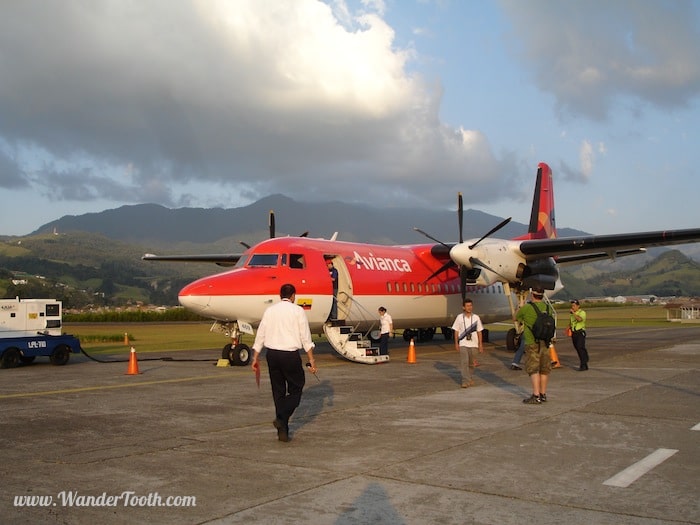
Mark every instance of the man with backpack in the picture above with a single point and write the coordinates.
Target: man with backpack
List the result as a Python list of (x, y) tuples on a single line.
[(537, 334)]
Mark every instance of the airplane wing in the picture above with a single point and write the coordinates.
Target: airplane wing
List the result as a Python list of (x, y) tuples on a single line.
[(590, 257), (225, 259), (569, 250)]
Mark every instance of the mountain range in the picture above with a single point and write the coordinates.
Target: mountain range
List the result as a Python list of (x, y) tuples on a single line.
[(99, 253), (157, 225)]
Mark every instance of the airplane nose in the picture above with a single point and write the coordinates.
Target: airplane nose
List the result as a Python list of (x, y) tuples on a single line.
[(196, 296), (195, 303)]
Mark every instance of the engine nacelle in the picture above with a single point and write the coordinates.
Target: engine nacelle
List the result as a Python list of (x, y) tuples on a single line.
[(541, 273)]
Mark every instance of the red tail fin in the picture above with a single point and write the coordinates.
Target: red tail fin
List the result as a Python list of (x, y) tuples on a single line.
[(542, 223)]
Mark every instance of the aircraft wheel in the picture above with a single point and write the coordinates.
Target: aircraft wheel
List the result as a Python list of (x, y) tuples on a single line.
[(409, 334), (513, 340), (426, 334), (10, 358), (60, 355), (447, 333), (239, 355)]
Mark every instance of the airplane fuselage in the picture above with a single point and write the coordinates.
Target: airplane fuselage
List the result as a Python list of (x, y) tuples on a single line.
[(370, 276), (420, 285)]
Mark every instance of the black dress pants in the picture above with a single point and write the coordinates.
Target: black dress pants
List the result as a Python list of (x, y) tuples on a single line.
[(287, 378), (578, 338)]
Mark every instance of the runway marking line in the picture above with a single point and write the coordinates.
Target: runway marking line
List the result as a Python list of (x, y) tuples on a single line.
[(634, 472), (126, 385), (107, 387)]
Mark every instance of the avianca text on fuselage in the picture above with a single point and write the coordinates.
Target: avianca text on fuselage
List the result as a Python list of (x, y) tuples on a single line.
[(386, 264)]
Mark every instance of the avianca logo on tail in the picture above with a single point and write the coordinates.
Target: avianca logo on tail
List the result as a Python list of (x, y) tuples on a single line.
[(385, 264)]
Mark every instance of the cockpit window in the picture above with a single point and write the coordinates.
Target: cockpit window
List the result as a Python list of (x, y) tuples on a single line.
[(264, 259), (241, 262), (296, 260)]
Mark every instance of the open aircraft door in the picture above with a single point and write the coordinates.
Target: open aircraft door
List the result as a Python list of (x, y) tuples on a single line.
[(344, 288)]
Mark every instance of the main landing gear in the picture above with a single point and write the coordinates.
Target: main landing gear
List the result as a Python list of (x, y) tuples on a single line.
[(237, 353)]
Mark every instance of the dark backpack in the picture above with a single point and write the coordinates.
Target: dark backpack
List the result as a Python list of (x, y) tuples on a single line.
[(544, 326)]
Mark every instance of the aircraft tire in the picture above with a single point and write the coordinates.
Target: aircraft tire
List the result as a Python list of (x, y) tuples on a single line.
[(239, 355), (60, 355), (447, 333), (10, 358), (426, 334)]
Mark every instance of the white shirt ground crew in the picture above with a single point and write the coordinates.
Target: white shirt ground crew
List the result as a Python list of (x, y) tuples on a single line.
[(277, 328)]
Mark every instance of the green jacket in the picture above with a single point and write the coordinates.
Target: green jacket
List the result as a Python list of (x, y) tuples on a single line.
[(527, 316), (578, 325)]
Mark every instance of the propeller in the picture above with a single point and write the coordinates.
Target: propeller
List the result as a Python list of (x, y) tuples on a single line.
[(460, 215), (478, 262), (474, 261), (432, 238), (271, 224), (271, 227), (491, 232)]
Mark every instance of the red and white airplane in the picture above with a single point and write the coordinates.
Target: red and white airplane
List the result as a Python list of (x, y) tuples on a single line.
[(421, 285)]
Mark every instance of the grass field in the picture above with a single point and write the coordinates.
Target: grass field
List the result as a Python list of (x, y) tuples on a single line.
[(108, 338)]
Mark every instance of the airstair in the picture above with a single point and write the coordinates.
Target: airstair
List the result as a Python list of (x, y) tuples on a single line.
[(347, 339), (352, 345)]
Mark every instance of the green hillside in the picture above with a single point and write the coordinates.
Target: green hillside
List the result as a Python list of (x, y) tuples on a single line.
[(669, 274), (84, 269)]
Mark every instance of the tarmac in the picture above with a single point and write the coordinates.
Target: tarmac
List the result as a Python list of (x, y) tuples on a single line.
[(185, 441)]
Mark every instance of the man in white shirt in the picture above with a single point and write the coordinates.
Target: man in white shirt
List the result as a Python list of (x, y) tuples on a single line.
[(467, 330), (386, 327), (283, 330)]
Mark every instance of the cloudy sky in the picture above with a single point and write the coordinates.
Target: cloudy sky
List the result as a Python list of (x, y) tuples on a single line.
[(217, 103)]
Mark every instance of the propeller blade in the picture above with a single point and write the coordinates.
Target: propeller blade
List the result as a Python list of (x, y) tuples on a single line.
[(271, 224), (463, 281), (460, 215), (493, 230), (443, 268), (431, 237), (478, 262), (305, 234)]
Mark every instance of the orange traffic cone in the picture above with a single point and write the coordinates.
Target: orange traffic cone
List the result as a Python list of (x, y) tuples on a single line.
[(553, 356), (411, 353), (126, 339), (133, 368)]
